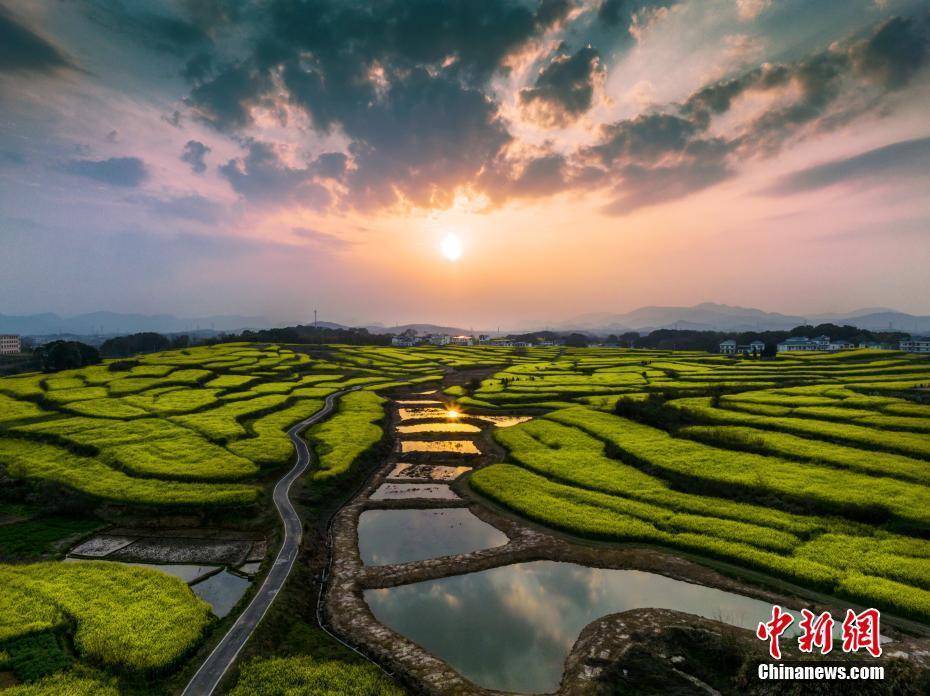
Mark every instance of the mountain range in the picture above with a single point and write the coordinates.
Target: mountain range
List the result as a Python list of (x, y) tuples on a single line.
[(710, 316), (110, 323), (707, 316)]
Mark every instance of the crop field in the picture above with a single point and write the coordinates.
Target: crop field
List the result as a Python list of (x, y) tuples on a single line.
[(194, 427), (811, 468)]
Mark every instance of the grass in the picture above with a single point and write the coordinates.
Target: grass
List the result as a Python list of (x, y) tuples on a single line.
[(306, 676)]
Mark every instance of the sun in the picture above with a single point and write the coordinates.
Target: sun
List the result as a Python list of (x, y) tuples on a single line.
[(451, 247)]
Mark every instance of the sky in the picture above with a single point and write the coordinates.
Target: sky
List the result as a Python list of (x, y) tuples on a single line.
[(270, 158)]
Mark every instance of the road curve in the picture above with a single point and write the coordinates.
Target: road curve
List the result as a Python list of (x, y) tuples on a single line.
[(211, 672)]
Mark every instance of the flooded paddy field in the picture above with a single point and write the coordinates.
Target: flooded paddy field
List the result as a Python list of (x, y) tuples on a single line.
[(456, 597), (219, 565), (401, 536), (400, 491), (511, 628)]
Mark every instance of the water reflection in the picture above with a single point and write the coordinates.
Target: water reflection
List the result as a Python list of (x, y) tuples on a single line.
[(400, 536), (221, 591), (504, 421), (439, 428), (511, 628), (444, 446), (427, 472)]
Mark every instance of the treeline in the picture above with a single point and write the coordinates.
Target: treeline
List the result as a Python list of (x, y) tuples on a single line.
[(64, 355), (307, 334), (145, 342), (677, 339)]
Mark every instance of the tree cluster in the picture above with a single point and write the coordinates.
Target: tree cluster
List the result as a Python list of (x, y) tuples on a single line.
[(64, 355)]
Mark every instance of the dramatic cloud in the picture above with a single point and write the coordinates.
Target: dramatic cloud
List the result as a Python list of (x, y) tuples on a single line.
[(22, 50), (194, 153), (910, 158), (262, 177), (564, 89), (129, 172)]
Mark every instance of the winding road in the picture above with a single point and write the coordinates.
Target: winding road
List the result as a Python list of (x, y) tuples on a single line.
[(211, 672)]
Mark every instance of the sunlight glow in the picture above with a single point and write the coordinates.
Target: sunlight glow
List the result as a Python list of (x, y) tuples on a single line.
[(452, 413), (451, 247)]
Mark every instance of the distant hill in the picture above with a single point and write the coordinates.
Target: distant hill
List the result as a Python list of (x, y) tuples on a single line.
[(709, 316), (111, 323), (421, 329)]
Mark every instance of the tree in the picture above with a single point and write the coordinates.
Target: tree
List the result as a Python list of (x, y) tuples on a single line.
[(145, 342), (65, 355), (576, 340)]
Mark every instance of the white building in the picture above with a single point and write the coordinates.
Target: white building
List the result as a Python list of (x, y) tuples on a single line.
[(462, 340), (728, 347), (439, 339), (10, 344), (916, 345), (797, 344), (835, 346), (403, 341)]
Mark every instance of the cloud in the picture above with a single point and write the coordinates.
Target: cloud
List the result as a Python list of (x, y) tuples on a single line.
[(22, 50), (750, 9), (129, 172), (262, 177), (193, 207), (894, 53), (564, 89), (321, 239), (331, 165), (194, 153), (908, 158), (226, 101)]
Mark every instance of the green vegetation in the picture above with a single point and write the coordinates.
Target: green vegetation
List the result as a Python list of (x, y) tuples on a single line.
[(813, 469), (304, 676), (126, 617), (353, 430), (37, 537)]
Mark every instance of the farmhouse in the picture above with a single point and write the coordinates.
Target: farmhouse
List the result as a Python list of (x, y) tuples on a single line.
[(800, 343), (462, 340), (729, 347), (821, 343), (9, 344), (916, 345), (403, 341)]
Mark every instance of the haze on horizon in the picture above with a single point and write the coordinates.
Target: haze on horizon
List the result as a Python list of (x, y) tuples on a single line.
[(202, 157)]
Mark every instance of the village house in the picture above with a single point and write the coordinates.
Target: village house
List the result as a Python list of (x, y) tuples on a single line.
[(10, 344), (916, 345)]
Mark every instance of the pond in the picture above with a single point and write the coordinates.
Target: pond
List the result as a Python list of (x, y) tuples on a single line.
[(401, 536), (427, 472), (443, 446), (438, 428), (511, 628), (400, 491), (221, 591)]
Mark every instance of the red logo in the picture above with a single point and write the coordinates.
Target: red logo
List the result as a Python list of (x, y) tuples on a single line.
[(860, 631), (772, 630)]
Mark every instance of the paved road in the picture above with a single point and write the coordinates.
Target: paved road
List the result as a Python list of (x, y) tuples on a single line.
[(205, 681)]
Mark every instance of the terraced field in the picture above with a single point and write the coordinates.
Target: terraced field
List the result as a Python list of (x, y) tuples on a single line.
[(811, 468), (197, 427)]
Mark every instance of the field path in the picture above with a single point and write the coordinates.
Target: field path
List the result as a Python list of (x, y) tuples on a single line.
[(211, 672)]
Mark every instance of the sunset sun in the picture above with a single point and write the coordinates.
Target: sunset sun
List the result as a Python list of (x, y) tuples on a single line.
[(451, 247)]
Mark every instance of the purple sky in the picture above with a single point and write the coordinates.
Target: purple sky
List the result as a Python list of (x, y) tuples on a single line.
[(209, 156)]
